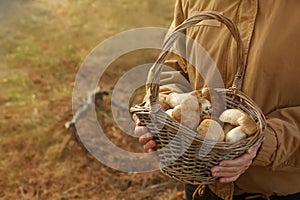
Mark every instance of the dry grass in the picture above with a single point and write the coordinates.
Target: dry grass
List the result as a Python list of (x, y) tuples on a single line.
[(43, 43)]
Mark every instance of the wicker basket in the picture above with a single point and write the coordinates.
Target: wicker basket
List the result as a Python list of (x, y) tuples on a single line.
[(183, 156)]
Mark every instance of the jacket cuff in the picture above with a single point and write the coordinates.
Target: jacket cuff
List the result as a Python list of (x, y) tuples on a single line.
[(266, 153)]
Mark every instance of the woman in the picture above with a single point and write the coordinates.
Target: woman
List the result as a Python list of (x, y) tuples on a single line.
[(270, 32)]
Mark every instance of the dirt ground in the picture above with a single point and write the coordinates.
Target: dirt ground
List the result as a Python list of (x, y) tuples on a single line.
[(42, 45)]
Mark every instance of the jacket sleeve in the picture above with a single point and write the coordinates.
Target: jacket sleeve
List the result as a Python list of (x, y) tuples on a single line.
[(281, 147), (173, 77)]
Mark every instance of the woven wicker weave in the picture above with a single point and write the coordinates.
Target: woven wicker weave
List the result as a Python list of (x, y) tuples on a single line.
[(183, 156)]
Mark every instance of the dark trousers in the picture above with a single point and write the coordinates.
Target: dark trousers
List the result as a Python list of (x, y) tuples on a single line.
[(209, 195)]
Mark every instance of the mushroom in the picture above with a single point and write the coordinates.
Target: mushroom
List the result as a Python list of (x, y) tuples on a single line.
[(217, 102), (176, 113), (174, 99), (238, 117), (228, 127), (247, 124), (188, 112), (169, 112), (235, 135), (212, 130), (231, 116), (162, 101), (204, 104)]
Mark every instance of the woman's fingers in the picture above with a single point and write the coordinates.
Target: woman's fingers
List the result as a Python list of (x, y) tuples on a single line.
[(229, 180), (150, 145), (140, 130), (151, 150), (232, 167), (230, 170), (146, 138), (238, 162), (246, 158)]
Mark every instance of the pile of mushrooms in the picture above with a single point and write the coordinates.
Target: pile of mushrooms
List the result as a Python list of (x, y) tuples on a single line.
[(195, 111)]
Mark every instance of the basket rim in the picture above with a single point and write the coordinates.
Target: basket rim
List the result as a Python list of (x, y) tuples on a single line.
[(192, 135)]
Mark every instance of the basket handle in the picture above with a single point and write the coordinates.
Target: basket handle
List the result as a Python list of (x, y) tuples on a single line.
[(174, 35)]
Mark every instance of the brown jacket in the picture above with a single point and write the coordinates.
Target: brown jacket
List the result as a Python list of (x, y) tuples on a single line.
[(270, 30)]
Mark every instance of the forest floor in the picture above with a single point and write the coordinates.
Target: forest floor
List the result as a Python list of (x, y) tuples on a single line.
[(42, 45)]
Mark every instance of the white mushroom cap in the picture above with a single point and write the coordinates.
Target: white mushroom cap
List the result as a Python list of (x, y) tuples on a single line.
[(169, 112), (188, 112), (212, 130), (231, 116), (174, 99), (235, 135)]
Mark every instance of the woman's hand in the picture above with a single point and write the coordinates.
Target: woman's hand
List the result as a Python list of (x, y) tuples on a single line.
[(145, 137), (230, 170)]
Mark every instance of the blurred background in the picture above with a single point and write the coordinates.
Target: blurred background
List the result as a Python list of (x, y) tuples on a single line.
[(42, 44)]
